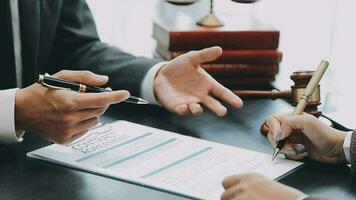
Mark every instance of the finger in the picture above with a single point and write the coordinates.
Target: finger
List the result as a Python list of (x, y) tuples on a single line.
[(231, 181), (99, 100), (84, 77), (288, 147), (280, 116), (299, 148), (195, 108), (214, 106), (82, 115), (226, 95), (86, 125), (297, 156), (291, 150), (230, 193), (181, 109), (77, 136), (275, 128), (205, 55), (311, 127), (271, 139), (288, 150)]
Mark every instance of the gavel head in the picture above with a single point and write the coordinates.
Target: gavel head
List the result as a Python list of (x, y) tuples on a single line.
[(301, 80)]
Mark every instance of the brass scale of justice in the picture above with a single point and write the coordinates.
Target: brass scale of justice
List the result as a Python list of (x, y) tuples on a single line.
[(210, 20), (300, 78)]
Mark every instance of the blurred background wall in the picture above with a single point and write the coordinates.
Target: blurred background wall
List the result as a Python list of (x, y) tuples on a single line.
[(311, 30)]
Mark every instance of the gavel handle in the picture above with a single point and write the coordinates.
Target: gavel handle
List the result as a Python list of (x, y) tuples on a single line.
[(255, 94)]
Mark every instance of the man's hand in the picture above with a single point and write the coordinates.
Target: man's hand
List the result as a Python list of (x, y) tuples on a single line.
[(256, 187), (181, 85), (62, 116), (307, 136)]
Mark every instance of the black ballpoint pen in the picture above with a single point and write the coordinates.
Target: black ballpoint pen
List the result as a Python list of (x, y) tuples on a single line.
[(55, 83)]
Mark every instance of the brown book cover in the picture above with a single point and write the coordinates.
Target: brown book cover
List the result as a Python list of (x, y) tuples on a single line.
[(262, 57), (235, 37), (233, 70), (238, 70), (247, 81)]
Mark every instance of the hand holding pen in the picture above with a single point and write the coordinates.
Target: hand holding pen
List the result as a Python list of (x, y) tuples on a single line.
[(313, 83), (307, 137), (60, 115)]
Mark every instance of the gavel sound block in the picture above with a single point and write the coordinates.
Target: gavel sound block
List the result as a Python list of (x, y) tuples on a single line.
[(301, 80)]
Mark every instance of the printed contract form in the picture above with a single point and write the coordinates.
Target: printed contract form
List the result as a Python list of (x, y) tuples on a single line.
[(161, 159)]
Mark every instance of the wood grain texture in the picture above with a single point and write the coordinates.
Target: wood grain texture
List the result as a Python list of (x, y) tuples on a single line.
[(240, 70), (260, 57), (175, 38)]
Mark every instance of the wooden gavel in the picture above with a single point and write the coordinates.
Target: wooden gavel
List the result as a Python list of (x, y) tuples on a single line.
[(301, 80)]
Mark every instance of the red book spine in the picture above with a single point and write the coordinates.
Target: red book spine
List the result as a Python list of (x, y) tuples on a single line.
[(226, 70), (181, 40), (248, 81), (241, 40), (263, 57)]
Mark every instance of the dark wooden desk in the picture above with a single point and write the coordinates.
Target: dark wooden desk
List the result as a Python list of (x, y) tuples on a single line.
[(25, 178)]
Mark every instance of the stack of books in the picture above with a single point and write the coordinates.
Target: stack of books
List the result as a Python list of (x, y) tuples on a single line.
[(250, 52)]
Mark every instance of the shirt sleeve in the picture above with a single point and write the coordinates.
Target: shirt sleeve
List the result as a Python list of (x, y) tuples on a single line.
[(303, 197), (7, 117), (347, 145), (147, 87)]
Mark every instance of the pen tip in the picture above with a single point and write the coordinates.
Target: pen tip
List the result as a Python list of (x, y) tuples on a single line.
[(275, 153), (142, 101)]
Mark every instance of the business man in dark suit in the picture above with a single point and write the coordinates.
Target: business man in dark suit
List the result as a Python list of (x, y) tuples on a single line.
[(39, 36), (307, 137)]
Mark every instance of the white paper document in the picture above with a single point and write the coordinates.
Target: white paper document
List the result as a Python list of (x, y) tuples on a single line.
[(161, 159)]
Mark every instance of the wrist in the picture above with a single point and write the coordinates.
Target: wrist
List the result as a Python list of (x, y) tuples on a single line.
[(19, 99), (339, 146), (156, 81), (149, 82)]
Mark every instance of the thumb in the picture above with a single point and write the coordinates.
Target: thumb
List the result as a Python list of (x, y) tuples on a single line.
[(84, 77), (204, 55)]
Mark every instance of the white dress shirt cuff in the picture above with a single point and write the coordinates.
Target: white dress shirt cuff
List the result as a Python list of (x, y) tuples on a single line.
[(147, 87), (7, 117), (347, 145), (303, 197)]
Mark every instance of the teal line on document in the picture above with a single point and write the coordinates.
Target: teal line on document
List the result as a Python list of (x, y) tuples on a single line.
[(139, 153), (177, 162), (113, 147)]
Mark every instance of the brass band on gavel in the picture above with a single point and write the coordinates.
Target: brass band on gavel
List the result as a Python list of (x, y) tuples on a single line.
[(301, 80)]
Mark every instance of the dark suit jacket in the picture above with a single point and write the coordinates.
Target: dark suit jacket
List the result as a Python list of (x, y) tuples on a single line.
[(353, 154), (353, 166), (61, 34)]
